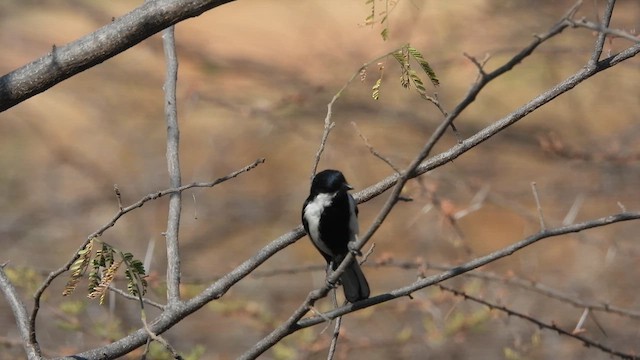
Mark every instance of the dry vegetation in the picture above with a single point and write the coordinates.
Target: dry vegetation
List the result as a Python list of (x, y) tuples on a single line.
[(254, 81)]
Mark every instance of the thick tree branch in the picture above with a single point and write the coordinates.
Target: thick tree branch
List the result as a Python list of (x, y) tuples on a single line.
[(124, 32), (173, 166)]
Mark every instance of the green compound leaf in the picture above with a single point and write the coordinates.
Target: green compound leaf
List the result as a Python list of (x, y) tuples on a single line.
[(424, 65)]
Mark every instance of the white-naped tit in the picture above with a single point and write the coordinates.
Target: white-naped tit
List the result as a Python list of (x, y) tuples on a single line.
[(330, 218)]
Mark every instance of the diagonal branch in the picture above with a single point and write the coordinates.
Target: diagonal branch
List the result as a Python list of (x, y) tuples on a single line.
[(124, 32), (587, 342), (523, 283), (604, 23), (466, 267), (501, 124)]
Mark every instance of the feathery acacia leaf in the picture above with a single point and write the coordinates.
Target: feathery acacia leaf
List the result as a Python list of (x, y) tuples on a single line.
[(107, 278), (424, 65), (78, 268)]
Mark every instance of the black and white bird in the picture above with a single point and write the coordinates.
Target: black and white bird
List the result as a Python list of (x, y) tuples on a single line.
[(330, 218)]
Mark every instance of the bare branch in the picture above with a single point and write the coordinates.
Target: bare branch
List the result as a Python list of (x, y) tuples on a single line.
[(160, 339), (173, 164), (128, 296), (466, 267), (525, 284), (553, 327), (336, 329), (124, 32), (478, 63), (554, 294), (599, 45), (583, 23), (372, 150), (31, 348), (328, 124)]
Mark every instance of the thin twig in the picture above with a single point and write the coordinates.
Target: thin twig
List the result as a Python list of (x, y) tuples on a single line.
[(160, 339), (372, 150), (128, 296), (336, 329), (328, 124), (599, 44), (608, 31), (479, 64)]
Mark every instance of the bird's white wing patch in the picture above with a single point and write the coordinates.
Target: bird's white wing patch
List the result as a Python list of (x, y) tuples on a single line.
[(312, 213)]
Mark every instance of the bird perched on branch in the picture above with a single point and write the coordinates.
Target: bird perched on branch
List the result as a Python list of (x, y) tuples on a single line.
[(330, 218)]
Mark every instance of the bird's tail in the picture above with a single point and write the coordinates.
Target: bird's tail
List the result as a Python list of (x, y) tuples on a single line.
[(354, 283)]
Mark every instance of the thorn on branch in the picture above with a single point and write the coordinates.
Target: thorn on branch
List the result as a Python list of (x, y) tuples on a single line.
[(543, 225), (622, 207), (367, 254)]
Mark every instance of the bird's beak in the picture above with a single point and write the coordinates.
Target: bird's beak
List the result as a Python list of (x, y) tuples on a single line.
[(348, 187)]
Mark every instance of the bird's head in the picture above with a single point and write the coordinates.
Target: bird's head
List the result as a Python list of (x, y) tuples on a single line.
[(329, 181)]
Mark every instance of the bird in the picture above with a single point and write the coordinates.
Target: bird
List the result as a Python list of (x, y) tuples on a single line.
[(330, 218)]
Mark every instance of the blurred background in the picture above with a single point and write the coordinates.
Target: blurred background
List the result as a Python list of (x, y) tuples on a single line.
[(255, 78)]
